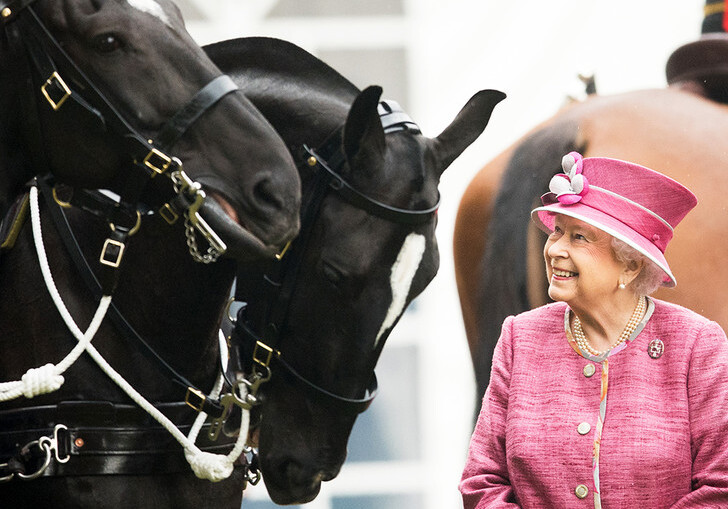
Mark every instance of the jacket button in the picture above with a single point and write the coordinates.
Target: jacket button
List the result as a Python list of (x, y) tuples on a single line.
[(583, 428), (589, 370), (581, 491)]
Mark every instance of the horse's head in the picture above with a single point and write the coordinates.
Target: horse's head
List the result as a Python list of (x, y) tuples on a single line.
[(134, 74), (369, 250)]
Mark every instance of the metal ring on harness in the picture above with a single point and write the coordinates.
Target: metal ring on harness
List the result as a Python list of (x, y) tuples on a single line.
[(44, 444), (230, 317), (134, 228), (61, 203)]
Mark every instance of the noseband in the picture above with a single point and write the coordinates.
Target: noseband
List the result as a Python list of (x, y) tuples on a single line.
[(259, 351)]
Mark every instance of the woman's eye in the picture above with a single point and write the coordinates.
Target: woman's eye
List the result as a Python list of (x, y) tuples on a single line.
[(107, 43)]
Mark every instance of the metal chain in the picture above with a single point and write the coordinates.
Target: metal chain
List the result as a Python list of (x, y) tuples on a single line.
[(252, 466), (183, 184), (210, 256)]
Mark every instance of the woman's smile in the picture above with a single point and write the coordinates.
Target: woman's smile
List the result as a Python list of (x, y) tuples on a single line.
[(563, 274)]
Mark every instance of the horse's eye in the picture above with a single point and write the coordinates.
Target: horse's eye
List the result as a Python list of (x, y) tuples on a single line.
[(107, 43)]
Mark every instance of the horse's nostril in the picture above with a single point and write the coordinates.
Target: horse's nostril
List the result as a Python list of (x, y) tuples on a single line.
[(265, 194), (300, 475)]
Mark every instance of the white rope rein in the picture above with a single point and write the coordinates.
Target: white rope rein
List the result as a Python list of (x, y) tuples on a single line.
[(49, 378), (205, 465)]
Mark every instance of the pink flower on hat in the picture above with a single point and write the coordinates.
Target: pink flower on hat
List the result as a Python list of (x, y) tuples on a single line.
[(570, 186)]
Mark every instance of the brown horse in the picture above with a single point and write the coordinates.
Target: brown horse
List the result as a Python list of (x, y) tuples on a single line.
[(498, 252)]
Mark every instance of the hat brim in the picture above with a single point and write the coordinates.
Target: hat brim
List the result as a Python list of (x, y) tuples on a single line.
[(544, 219), (698, 60)]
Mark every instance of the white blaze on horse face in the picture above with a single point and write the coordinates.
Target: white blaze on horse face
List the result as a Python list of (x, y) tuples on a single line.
[(151, 7), (403, 272)]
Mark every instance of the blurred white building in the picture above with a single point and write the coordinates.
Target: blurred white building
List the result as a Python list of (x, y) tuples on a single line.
[(431, 56)]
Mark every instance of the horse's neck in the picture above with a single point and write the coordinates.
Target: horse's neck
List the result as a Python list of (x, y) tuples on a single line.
[(172, 303), (300, 115)]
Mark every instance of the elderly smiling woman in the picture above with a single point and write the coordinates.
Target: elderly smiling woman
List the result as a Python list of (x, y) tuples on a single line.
[(606, 397)]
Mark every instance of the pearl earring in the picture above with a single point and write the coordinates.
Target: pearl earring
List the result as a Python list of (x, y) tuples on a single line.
[(622, 286)]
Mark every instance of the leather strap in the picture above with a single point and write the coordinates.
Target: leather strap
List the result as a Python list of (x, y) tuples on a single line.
[(208, 96), (13, 222), (102, 438), (192, 393)]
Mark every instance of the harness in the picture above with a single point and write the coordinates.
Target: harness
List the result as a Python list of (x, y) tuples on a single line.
[(39, 441), (260, 336), (62, 82)]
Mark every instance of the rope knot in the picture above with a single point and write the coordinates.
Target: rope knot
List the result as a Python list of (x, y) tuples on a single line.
[(210, 466), (42, 380)]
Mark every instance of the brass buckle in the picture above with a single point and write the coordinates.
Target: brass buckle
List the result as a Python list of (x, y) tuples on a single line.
[(168, 213), (157, 161), (267, 352), (55, 78), (195, 405), (110, 258)]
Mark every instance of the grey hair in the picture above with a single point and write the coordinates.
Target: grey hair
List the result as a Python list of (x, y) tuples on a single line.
[(650, 277)]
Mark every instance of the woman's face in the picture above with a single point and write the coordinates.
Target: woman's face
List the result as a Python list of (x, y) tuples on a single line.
[(580, 265)]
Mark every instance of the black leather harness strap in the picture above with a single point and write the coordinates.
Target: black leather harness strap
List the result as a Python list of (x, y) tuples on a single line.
[(192, 395), (99, 437), (208, 96), (366, 203), (13, 221)]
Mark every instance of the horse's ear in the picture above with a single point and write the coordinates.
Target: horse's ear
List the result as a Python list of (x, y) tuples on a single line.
[(363, 133), (466, 127)]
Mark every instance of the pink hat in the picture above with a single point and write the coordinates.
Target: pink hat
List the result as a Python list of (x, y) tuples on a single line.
[(637, 205)]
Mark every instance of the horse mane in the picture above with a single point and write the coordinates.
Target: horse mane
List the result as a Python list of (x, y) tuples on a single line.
[(524, 180), (269, 58)]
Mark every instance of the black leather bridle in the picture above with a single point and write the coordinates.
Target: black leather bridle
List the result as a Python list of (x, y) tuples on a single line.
[(260, 350), (60, 80)]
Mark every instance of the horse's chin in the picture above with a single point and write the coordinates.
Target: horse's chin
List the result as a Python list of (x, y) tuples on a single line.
[(242, 244), (290, 481), (293, 494)]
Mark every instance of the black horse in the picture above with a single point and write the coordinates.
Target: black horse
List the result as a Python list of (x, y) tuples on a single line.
[(116, 94), (367, 248)]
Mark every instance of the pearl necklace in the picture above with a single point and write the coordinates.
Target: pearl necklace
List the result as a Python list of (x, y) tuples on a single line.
[(632, 324)]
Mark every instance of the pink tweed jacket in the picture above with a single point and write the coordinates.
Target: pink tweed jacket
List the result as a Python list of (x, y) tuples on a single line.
[(632, 431)]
